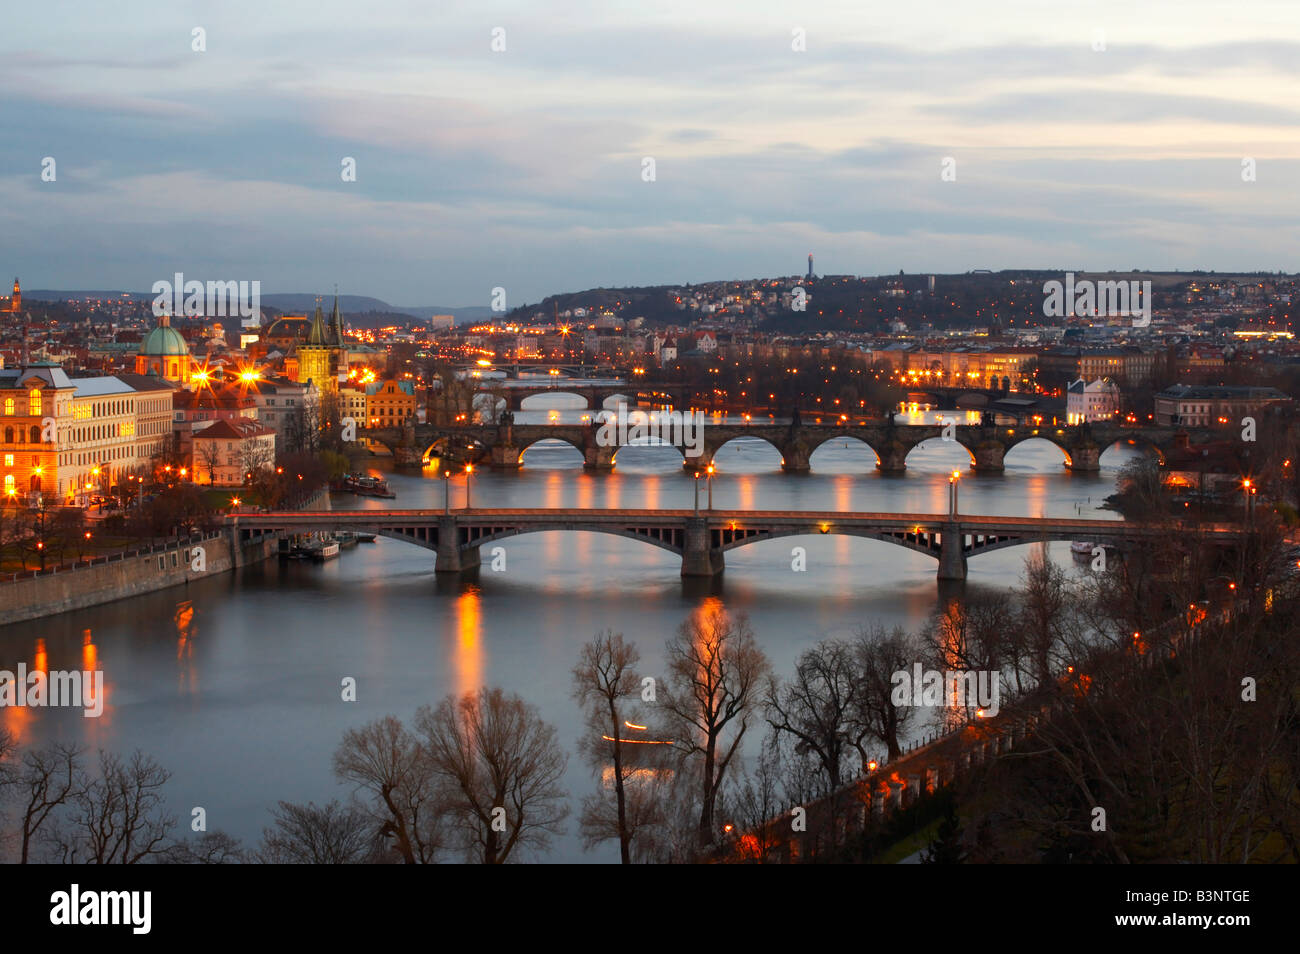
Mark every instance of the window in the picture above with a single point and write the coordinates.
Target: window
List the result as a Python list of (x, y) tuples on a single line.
[(9, 460), (9, 406), (34, 402)]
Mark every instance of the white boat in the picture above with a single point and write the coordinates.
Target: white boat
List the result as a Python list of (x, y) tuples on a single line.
[(1082, 546), (326, 552)]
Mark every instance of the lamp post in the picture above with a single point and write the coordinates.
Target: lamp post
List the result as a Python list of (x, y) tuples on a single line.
[(697, 492), (469, 477), (710, 482), (952, 493), (446, 498), (1246, 490)]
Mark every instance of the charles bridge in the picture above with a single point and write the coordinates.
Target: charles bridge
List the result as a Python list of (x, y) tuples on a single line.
[(502, 445)]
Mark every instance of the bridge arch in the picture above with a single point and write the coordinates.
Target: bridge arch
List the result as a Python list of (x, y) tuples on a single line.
[(1035, 440), (1135, 441), (639, 447), (921, 540), (848, 439), (935, 445), (669, 543), (581, 401), (770, 449)]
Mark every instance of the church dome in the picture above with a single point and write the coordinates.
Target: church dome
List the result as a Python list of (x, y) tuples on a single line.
[(164, 341)]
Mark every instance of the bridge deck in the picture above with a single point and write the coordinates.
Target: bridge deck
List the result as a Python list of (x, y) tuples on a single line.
[(968, 522)]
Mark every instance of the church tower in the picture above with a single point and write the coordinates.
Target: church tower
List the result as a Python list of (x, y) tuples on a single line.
[(16, 303), (338, 350), (315, 356)]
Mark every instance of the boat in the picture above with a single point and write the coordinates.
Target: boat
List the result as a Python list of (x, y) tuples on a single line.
[(365, 538), (325, 551), (1082, 547), (363, 485)]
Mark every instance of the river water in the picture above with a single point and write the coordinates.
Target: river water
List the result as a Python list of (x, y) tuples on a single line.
[(233, 683)]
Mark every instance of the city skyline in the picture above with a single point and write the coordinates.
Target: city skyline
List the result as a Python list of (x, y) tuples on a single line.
[(1106, 138)]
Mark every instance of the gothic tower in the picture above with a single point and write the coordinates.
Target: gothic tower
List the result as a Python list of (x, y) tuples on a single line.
[(314, 355)]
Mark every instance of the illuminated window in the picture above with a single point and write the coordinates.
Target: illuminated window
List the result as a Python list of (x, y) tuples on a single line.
[(9, 460), (9, 406), (9, 483), (34, 402)]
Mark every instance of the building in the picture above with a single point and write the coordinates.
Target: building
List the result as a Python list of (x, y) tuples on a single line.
[(66, 439), (322, 358), (226, 452), (280, 402), (165, 354), (1095, 401), (389, 403), (1196, 405)]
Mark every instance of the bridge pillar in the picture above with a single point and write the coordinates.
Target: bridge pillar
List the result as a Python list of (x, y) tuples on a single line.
[(795, 457), (598, 458), (451, 559), (1086, 459), (698, 557), (407, 457), (505, 457), (988, 457), (893, 458), (952, 561)]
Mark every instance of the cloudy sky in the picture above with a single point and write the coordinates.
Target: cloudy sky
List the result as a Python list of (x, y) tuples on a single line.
[(1085, 135)]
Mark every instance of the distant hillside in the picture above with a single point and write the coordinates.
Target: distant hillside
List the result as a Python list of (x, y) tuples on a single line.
[(463, 315)]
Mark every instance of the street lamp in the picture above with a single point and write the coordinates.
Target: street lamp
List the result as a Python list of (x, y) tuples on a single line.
[(1246, 490), (710, 481), (952, 493), (446, 485), (469, 477), (697, 491)]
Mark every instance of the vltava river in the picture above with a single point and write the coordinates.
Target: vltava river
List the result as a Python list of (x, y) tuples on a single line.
[(233, 684)]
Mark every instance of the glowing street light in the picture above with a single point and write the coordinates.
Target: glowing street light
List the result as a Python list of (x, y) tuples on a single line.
[(952, 493), (469, 476), (710, 482)]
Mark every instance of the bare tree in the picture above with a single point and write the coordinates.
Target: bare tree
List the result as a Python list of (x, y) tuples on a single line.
[(388, 763), (716, 672), (816, 706), (209, 453), (502, 766), (44, 782), (877, 656), (120, 816), (755, 802), (605, 685), (210, 848), (333, 834)]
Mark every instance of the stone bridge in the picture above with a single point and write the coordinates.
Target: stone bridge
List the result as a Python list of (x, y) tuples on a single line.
[(701, 538), (502, 445), (595, 394)]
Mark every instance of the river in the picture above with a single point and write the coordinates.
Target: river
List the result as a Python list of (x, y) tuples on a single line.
[(233, 684)]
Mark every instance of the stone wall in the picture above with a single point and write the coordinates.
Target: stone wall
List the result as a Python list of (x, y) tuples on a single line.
[(27, 596), (124, 575)]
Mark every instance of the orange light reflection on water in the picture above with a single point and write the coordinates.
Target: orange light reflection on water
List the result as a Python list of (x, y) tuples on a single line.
[(468, 661)]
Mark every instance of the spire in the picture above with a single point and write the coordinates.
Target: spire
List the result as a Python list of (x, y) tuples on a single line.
[(336, 322), (316, 337)]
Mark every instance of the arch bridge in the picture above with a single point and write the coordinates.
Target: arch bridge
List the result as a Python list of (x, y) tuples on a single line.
[(502, 445), (701, 538)]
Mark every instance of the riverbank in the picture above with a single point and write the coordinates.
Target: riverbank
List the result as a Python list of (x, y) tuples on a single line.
[(144, 570)]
